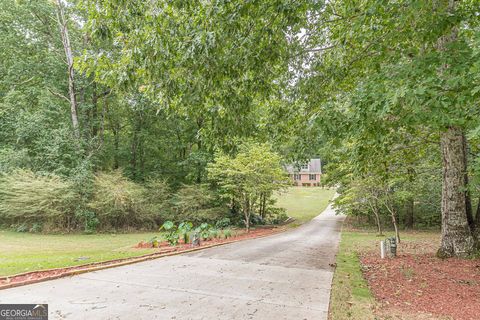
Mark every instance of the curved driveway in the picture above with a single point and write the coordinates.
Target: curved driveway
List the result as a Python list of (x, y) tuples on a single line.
[(284, 276)]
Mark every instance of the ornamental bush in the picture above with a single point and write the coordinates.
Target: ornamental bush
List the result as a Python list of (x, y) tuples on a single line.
[(28, 198), (118, 202)]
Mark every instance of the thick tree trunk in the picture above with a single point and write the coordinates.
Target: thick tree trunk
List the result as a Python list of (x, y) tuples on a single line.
[(457, 239), (62, 23)]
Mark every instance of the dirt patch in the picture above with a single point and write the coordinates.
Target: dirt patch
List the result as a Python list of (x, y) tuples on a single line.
[(420, 282), (162, 250)]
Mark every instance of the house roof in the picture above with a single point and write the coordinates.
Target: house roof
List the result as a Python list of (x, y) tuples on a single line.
[(312, 166)]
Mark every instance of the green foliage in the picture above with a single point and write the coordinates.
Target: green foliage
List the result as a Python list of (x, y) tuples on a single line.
[(89, 220), (213, 233), (171, 232), (117, 201), (222, 223), (255, 172), (154, 242), (276, 215), (27, 197), (22, 228), (227, 233), (157, 197), (204, 230), (409, 74), (184, 229), (36, 228), (217, 60), (196, 203)]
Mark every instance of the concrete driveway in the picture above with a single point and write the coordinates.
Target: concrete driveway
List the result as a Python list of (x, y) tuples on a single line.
[(284, 276)]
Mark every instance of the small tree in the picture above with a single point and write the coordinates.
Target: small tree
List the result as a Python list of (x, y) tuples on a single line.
[(248, 178), (362, 197)]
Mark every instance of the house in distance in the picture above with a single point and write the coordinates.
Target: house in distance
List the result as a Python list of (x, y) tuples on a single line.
[(307, 174)]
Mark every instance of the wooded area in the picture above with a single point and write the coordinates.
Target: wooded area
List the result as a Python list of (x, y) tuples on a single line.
[(123, 114)]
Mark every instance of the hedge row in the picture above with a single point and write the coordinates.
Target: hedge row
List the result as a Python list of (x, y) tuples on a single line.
[(49, 202)]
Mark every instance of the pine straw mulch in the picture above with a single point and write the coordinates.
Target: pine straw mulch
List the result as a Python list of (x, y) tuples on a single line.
[(416, 282)]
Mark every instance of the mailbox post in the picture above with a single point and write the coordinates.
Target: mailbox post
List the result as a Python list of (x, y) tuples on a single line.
[(388, 247), (393, 247)]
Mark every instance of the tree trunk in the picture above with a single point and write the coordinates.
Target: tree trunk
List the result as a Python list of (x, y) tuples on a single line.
[(457, 239), (374, 208), (95, 123), (62, 23), (390, 206), (468, 200), (263, 205), (395, 226)]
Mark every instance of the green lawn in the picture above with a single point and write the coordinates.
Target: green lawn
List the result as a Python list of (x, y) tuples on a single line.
[(304, 203), (23, 252), (350, 296)]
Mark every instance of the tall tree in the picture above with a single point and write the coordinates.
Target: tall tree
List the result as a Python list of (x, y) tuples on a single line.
[(402, 66), (67, 47)]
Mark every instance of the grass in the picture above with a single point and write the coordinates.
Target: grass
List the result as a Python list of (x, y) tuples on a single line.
[(304, 203), (23, 252), (350, 296)]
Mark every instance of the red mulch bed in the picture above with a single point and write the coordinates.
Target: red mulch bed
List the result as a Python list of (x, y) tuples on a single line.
[(422, 282), (163, 248)]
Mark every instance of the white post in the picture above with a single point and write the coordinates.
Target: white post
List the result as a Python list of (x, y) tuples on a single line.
[(382, 249)]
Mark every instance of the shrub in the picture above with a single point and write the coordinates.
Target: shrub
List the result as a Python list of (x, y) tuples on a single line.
[(171, 232), (36, 227), (89, 220), (204, 231), (157, 196), (184, 229), (276, 215), (117, 201), (227, 233), (26, 197), (196, 203), (222, 223), (21, 228), (213, 233)]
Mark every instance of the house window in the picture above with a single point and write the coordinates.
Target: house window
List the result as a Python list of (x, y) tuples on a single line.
[(296, 176), (305, 166), (312, 177)]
